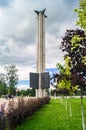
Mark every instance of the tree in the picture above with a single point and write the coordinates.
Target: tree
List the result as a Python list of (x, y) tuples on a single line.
[(12, 78), (28, 92), (3, 86), (74, 44), (81, 11), (63, 79)]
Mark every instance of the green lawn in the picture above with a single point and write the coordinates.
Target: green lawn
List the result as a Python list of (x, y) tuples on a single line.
[(54, 116)]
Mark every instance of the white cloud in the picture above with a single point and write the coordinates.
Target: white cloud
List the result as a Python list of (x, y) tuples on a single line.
[(24, 72), (18, 32)]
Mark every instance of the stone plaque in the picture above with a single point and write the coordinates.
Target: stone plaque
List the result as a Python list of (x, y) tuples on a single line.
[(45, 80), (34, 80)]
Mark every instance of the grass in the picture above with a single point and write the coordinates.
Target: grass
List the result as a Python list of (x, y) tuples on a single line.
[(54, 116)]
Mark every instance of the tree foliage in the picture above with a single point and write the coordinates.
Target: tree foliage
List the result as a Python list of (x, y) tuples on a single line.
[(74, 44), (28, 92), (73, 73), (81, 11), (63, 79), (3, 86), (12, 78)]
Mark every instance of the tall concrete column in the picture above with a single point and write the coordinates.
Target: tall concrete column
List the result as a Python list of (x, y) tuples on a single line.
[(41, 43), (40, 49)]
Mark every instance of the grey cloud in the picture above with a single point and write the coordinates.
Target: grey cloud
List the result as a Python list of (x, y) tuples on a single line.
[(73, 5), (20, 25), (4, 3), (16, 54), (26, 35), (24, 61), (4, 47), (25, 40), (59, 12)]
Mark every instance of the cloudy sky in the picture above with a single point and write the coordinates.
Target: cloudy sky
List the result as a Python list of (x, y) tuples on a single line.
[(18, 32)]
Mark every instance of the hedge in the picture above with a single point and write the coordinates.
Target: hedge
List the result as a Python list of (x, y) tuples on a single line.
[(20, 110)]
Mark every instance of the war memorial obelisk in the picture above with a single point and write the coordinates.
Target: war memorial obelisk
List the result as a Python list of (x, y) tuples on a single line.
[(40, 80), (40, 48)]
